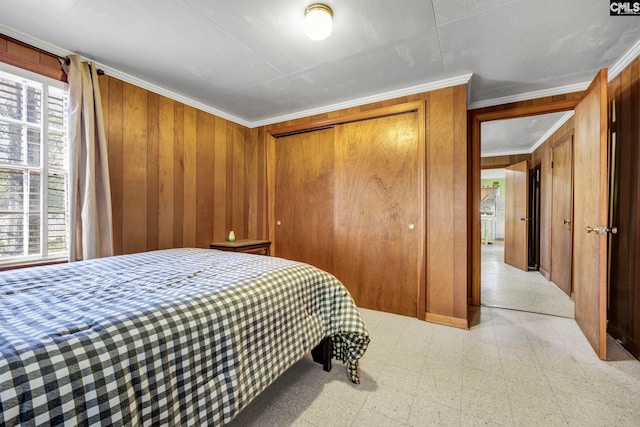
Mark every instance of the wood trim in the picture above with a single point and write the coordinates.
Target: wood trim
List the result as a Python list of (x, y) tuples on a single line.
[(270, 143), (525, 110), (423, 185), (475, 210), (33, 67), (495, 162), (561, 139), (31, 58), (332, 121), (39, 263), (545, 274), (604, 207), (447, 320), (497, 166)]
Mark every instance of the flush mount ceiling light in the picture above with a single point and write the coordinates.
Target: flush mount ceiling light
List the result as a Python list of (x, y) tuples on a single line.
[(318, 21)]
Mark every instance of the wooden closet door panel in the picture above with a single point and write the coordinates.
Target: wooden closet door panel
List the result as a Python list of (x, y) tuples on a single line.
[(516, 216), (561, 214), (377, 222), (304, 193)]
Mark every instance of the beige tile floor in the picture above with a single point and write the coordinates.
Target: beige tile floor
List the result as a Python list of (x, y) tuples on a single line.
[(507, 287), (514, 368)]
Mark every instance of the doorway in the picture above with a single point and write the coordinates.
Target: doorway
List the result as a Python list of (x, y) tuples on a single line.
[(510, 262)]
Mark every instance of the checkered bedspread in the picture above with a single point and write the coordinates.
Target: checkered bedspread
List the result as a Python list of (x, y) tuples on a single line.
[(175, 337)]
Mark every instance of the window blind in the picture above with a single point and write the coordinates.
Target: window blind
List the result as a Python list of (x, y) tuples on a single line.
[(33, 170)]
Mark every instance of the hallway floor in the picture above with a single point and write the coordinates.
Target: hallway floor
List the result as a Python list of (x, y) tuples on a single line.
[(504, 286)]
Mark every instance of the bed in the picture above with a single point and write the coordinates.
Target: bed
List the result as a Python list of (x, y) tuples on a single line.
[(171, 337)]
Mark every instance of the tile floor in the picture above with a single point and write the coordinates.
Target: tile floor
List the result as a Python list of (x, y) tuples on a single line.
[(507, 287), (514, 368)]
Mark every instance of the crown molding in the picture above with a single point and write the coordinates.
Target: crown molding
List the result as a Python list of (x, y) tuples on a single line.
[(41, 44), (552, 130), (440, 84), (504, 153), (113, 72), (560, 90), (620, 65), (412, 90), (172, 95), (623, 62)]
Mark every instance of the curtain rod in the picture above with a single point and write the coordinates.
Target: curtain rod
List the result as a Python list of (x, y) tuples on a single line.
[(99, 71)]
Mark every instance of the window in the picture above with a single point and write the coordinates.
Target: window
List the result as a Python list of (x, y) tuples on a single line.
[(33, 167)]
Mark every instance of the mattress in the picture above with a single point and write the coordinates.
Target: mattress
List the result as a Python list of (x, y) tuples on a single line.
[(180, 336)]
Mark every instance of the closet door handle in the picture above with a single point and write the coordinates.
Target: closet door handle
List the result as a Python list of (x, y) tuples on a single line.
[(601, 229), (594, 229)]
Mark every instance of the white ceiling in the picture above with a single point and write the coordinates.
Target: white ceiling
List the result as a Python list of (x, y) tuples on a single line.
[(522, 135), (493, 173), (249, 60)]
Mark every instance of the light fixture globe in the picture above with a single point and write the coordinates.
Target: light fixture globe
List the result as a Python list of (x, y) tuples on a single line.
[(318, 21)]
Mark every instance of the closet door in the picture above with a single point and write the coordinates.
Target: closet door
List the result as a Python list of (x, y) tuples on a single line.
[(378, 219), (304, 198), (561, 214), (516, 216)]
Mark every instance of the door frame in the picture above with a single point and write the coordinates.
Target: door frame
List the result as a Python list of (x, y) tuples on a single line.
[(475, 119), (282, 129), (535, 178)]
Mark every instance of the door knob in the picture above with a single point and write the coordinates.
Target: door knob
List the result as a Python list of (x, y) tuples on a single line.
[(525, 218), (601, 230), (566, 221)]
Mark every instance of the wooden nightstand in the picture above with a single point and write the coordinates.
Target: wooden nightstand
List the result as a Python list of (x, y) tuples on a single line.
[(248, 246)]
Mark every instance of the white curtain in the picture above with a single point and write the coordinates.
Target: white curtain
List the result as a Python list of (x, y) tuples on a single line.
[(91, 234)]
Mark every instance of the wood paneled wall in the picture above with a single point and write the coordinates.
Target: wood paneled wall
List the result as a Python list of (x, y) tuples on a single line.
[(542, 156), (624, 295), (446, 197), (496, 162), (180, 177)]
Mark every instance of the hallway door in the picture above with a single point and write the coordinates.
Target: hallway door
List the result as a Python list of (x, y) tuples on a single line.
[(591, 203), (516, 216), (561, 213)]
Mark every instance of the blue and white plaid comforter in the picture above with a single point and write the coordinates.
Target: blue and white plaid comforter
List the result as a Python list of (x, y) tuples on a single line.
[(175, 337)]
